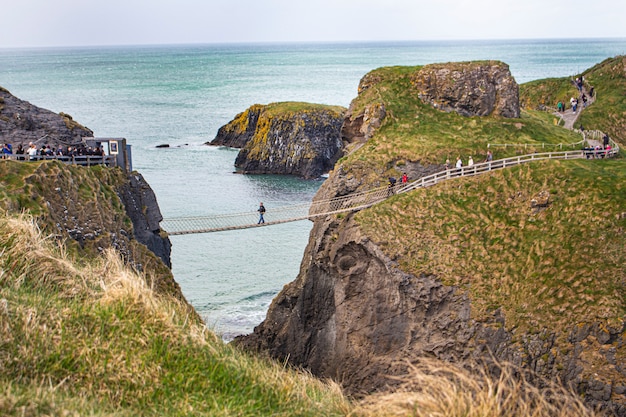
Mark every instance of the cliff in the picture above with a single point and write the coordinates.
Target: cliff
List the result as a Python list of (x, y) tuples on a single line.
[(285, 138), (467, 271), (96, 208), (22, 122)]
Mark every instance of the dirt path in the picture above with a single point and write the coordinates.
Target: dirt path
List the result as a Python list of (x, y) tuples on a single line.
[(569, 117)]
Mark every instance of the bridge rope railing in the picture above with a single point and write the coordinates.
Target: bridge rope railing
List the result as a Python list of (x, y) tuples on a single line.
[(355, 201)]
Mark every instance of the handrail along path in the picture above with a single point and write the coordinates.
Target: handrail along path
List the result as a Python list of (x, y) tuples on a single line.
[(356, 201)]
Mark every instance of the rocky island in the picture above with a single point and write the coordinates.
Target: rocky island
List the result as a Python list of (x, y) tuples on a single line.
[(289, 138)]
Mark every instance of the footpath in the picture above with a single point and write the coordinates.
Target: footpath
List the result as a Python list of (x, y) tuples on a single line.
[(569, 117)]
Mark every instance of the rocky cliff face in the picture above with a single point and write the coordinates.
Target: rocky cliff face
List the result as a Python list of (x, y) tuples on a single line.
[(95, 207), (285, 138), (355, 315), (470, 88), (22, 122)]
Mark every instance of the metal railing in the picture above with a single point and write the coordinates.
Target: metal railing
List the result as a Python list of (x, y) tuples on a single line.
[(82, 160)]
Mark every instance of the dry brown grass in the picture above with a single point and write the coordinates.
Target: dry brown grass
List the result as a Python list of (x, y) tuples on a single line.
[(438, 389)]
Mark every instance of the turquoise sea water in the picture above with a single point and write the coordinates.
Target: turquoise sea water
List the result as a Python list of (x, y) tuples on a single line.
[(181, 95)]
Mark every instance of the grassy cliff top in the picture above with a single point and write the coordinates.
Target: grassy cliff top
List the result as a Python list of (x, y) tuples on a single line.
[(608, 111), (291, 107), (545, 267), (417, 132)]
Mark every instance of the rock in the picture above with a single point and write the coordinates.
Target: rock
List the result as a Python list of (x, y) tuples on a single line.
[(354, 315), (285, 138), (239, 131), (469, 88), (141, 206), (22, 122)]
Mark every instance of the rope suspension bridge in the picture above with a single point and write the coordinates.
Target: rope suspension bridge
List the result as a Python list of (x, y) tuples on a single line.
[(359, 200)]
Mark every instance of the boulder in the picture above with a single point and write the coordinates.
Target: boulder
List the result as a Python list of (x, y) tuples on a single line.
[(469, 88)]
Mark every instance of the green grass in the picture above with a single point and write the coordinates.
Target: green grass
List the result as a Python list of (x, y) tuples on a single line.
[(609, 110), (546, 93), (417, 132), (286, 107), (100, 336), (90, 337), (544, 267)]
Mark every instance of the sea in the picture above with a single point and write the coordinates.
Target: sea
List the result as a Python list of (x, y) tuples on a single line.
[(180, 95)]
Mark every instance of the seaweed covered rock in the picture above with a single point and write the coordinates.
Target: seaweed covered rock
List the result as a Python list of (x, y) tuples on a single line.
[(285, 138)]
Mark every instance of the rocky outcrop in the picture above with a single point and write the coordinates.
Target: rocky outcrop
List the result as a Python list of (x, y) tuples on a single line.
[(239, 131), (22, 122), (469, 88), (285, 138), (353, 314), (143, 210), (95, 223)]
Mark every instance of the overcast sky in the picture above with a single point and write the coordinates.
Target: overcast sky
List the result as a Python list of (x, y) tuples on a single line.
[(35, 23)]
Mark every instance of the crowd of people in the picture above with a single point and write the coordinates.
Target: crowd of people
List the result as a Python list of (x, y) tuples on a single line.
[(582, 97), (34, 153)]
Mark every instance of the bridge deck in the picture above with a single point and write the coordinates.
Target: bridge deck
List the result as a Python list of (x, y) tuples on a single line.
[(350, 202)]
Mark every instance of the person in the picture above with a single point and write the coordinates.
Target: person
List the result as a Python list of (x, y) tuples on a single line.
[(489, 156), (573, 102), (559, 106), (605, 141), (459, 163), (261, 211), (20, 151), (390, 186), (447, 164), (7, 149), (470, 162), (584, 97), (591, 91), (32, 152), (405, 178)]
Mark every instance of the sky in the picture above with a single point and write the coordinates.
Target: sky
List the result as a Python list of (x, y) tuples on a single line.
[(48, 23)]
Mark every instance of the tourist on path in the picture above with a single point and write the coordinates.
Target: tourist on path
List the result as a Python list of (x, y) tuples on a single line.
[(489, 156), (261, 211), (459, 163), (405, 178), (470, 162)]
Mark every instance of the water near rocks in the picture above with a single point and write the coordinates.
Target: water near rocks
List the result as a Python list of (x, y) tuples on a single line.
[(181, 95)]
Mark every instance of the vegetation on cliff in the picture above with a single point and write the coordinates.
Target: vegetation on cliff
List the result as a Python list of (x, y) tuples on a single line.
[(607, 112), (414, 131), (80, 206), (542, 243), (89, 336)]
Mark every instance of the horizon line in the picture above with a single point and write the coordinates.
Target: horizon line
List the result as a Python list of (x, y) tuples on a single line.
[(312, 42)]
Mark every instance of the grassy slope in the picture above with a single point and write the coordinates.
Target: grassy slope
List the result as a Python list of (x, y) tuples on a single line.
[(96, 340), (545, 267), (413, 131), (548, 269), (607, 114)]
